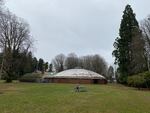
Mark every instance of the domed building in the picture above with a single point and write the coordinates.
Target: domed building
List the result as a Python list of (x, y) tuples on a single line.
[(80, 76)]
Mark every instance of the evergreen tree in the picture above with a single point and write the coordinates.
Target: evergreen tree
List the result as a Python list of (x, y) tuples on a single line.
[(41, 65), (124, 52), (46, 66), (29, 63), (34, 64), (51, 68)]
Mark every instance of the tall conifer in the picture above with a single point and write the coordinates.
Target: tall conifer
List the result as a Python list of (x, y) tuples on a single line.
[(124, 52)]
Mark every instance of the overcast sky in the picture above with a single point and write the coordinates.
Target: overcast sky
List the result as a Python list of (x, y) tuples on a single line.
[(80, 26)]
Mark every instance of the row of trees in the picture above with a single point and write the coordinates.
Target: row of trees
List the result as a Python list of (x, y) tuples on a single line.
[(23, 63), (90, 62), (132, 47)]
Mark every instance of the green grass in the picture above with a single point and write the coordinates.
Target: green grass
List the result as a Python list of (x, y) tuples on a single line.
[(61, 98)]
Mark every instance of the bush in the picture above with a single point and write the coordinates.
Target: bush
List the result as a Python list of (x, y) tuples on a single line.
[(136, 81), (141, 80), (4, 76), (31, 77)]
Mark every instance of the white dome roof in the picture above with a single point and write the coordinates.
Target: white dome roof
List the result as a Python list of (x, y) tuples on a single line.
[(79, 73)]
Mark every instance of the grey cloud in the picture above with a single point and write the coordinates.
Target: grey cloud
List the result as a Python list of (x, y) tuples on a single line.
[(80, 26)]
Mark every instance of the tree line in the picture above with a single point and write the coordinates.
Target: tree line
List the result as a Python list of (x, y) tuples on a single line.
[(23, 63), (94, 63)]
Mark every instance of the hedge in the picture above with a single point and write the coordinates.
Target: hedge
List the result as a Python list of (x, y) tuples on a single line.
[(31, 77)]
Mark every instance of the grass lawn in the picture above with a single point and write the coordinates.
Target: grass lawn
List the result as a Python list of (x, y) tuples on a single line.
[(60, 98)]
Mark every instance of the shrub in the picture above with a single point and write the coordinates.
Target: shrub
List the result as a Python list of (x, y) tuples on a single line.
[(31, 77), (141, 80), (136, 81), (4, 76), (147, 79)]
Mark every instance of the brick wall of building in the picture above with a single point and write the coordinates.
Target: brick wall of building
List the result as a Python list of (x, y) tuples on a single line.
[(76, 81)]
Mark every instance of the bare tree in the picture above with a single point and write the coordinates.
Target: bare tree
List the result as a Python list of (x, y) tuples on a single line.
[(86, 62), (145, 27), (94, 63), (1, 2), (138, 61), (71, 61), (90, 62), (58, 62), (14, 38), (99, 65), (15, 33)]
